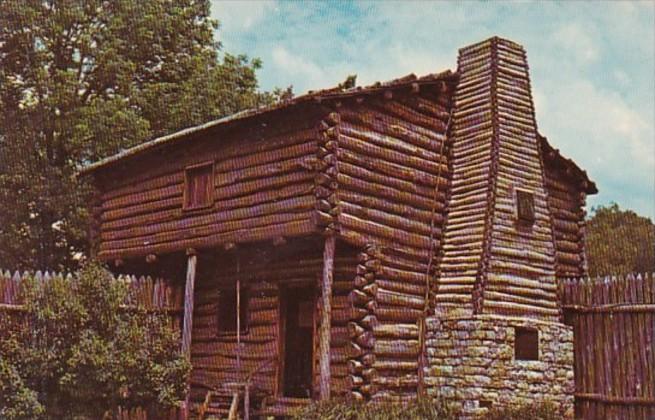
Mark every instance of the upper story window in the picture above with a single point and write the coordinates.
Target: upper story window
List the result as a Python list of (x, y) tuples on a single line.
[(525, 206), (199, 186)]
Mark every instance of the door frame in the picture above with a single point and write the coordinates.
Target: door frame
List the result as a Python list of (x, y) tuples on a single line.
[(283, 290)]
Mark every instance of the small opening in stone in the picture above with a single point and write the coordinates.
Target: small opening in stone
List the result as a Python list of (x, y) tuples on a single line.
[(485, 404), (526, 344)]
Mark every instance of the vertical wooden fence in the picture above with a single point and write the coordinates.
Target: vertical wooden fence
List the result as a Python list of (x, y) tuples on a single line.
[(153, 294), (614, 329)]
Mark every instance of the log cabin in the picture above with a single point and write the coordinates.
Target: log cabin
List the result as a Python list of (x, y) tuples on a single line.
[(333, 245)]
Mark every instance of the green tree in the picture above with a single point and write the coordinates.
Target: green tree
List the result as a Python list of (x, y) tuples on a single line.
[(83, 79), (16, 400), (619, 242), (83, 355)]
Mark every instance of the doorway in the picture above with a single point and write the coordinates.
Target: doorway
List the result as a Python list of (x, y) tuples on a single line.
[(297, 321)]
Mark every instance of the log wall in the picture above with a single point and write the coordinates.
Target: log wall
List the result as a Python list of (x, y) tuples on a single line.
[(392, 178), (566, 202), (264, 179)]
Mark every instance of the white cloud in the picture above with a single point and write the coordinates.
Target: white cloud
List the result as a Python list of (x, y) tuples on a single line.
[(602, 133), (607, 126), (294, 66), (621, 77), (577, 42), (239, 15)]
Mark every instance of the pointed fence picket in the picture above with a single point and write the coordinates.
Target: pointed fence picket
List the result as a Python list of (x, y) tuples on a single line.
[(152, 294), (613, 320)]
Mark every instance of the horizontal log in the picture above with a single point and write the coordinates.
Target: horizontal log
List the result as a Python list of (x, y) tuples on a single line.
[(220, 194), (389, 206), (361, 239), (388, 219), (388, 181), (296, 204), (413, 277), (382, 191), (238, 144), (398, 174), (385, 141), (428, 107), (356, 145), (268, 156), (393, 126), (401, 287), (519, 308), (209, 229), (569, 258), (408, 114), (291, 229), (396, 365), (396, 331), (406, 381), (499, 296), (386, 297), (548, 293), (366, 226), (398, 314), (225, 205)]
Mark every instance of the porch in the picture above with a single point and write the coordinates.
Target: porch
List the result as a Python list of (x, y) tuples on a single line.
[(269, 323)]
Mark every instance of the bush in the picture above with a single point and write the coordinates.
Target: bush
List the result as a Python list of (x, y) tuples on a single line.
[(80, 354), (538, 410), (428, 409), (16, 400)]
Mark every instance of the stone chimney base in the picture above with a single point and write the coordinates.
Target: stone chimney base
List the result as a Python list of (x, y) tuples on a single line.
[(473, 361)]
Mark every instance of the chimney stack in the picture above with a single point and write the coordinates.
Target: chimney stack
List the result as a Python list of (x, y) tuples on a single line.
[(498, 255)]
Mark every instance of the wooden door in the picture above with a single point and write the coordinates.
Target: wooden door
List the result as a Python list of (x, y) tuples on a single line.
[(298, 353)]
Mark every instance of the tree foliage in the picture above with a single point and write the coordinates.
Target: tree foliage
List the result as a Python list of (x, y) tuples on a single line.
[(619, 242), (83, 79), (79, 354)]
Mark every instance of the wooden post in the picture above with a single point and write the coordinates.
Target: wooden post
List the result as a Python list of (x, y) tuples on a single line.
[(238, 318), (326, 314), (188, 316), (246, 401)]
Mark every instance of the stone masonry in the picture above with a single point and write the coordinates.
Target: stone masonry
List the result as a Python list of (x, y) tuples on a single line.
[(471, 362)]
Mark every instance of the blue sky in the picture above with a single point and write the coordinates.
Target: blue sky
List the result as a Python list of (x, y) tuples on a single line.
[(592, 65)]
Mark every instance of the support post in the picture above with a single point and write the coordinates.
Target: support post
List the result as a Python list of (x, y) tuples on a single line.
[(188, 317), (326, 315)]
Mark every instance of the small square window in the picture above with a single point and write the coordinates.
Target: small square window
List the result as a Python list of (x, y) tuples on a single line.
[(227, 308), (526, 344), (525, 206), (199, 186)]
